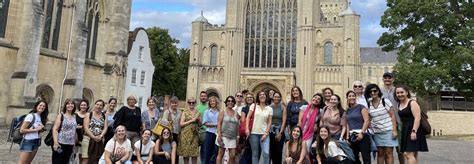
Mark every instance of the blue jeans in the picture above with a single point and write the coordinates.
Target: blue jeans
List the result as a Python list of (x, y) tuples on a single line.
[(258, 146), (209, 148)]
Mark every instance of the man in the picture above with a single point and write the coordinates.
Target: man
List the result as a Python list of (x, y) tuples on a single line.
[(238, 102), (388, 91), (358, 88), (201, 108)]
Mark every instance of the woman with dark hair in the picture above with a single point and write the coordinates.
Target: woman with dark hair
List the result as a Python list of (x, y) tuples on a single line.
[(357, 125), (110, 113), (413, 139), (309, 118), (95, 127), (294, 107), (31, 131), (296, 149), (80, 115), (383, 123), (277, 130), (328, 150), (64, 133), (327, 93), (227, 131), (261, 114), (164, 151), (143, 153), (334, 117), (150, 116)]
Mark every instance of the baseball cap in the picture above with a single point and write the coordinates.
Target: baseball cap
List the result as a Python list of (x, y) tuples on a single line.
[(387, 74)]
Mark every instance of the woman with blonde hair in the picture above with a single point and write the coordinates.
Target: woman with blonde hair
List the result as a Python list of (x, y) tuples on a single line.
[(189, 139), (118, 149), (210, 121), (130, 117)]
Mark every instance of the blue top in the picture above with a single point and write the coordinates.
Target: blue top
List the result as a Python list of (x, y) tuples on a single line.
[(210, 116), (150, 121), (355, 120), (293, 111)]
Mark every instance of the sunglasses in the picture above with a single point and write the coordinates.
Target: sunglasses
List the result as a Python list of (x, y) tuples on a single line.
[(191, 102), (230, 101), (238, 95), (357, 86), (374, 91), (166, 132)]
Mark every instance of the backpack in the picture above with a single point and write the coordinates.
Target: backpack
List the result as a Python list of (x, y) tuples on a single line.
[(15, 136)]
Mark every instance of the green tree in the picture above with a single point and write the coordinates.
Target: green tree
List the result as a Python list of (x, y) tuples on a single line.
[(170, 68), (435, 43)]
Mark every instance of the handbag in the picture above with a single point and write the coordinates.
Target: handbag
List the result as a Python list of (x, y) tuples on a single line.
[(252, 117), (48, 140), (159, 127), (425, 124)]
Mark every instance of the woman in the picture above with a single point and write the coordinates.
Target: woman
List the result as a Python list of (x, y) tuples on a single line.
[(335, 118), (294, 107), (277, 130), (327, 149), (130, 117), (83, 109), (165, 148), (357, 124), (143, 153), (296, 150), (262, 120), (413, 139), (174, 116), (31, 131), (308, 120), (118, 149), (227, 131), (243, 141), (327, 92), (210, 121), (189, 139), (64, 133), (383, 123), (150, 116), (110, 113), (95, 127)]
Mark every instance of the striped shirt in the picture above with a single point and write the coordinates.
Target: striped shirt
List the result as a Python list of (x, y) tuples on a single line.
[(380, 117)]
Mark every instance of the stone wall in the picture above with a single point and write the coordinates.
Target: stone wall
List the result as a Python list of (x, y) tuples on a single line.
[(452, 123)]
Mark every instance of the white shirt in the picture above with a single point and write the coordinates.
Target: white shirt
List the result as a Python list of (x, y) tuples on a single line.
[(125, 147), (334, 150), (361, 100), (37, 123), (145, 148)]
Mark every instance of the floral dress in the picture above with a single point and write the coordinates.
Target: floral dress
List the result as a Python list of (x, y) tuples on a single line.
[(189, 138)]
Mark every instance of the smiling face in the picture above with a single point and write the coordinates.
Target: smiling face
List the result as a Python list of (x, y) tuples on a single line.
[(351, 98), (98, 106), (401, 93), (323, 133), (151, 104), (131, 101), (249, 99), (327, 94), (166, 134), (374, 92), (276, 98), (40, 108), (83, 106), (262, 97), (146, 135), (388, 80), (112, 104), (120, 132), (70, 106), (316, 100), (192, 103), (174, 104), (295, 92), (238, 97), (203, 97), (333, 101), (296, 133), (213, 103)]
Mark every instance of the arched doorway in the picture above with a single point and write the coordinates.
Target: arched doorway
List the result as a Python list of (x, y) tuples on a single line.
[(45, 92), (88, 95), (265, 87), (212, 92)]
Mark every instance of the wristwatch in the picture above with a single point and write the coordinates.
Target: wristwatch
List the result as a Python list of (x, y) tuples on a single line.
[(413, 131)]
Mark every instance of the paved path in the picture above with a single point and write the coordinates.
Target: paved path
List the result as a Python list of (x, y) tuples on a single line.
[(442, 151)]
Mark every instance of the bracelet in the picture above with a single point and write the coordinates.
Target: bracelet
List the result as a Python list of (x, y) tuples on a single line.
[(413, 131)]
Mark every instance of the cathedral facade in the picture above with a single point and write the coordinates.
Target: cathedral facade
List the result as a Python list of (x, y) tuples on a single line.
[(276, 44), (58, 49)]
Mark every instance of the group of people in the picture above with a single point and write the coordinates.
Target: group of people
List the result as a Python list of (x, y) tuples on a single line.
[(249, 129)]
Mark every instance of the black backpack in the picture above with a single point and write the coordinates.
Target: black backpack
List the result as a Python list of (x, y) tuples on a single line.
[(14, 135)]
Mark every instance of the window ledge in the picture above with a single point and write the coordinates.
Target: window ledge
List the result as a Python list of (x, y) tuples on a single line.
[(93, 63), (52, 53), (8, 44)]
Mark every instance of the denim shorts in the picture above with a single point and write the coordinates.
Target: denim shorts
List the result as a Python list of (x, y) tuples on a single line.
[(30, 145)]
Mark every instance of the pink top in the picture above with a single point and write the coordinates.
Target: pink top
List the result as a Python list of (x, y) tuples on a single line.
[(333, 120)]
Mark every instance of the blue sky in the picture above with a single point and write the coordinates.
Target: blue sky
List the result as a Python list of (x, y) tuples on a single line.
[(177, 15)]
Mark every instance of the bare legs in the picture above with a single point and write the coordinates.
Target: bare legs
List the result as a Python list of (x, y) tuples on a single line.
[(411, 157), (26, 157), (220, 155), (193, 160), (385, 155)]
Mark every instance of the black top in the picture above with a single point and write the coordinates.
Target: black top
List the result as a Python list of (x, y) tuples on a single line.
[(130, 118), (80, 132), (293, 110), (406, 144)]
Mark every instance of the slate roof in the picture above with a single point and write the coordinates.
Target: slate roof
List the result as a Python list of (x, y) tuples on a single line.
[(376, 55)]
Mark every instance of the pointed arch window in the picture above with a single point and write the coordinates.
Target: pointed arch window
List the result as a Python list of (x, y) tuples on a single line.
[(369, 71), (3, 16), (213, 55), (328, 49), (92, 21), (52, 23)]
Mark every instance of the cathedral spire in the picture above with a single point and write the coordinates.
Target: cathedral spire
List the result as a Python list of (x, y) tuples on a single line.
[(201, 18)]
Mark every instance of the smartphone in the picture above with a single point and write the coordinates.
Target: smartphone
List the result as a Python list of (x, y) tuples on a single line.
[(59, 150)]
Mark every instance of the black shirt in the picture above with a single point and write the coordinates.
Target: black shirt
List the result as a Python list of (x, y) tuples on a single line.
[(130, 118)]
